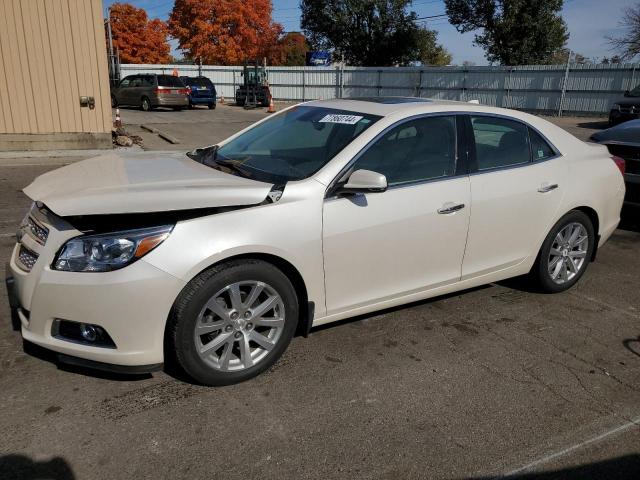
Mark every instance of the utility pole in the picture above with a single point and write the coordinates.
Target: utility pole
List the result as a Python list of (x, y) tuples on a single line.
[(111, 56)]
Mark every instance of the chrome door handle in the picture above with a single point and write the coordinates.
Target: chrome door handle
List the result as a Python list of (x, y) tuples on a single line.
[(450, 207), (545, 187)]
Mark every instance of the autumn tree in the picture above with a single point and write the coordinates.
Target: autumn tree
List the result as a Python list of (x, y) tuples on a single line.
[(138, 39), (224, 32), (367, 32), (512, 32), (291, 50)]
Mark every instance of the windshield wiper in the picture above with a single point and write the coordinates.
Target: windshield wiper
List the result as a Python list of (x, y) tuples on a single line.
[(232, 165)]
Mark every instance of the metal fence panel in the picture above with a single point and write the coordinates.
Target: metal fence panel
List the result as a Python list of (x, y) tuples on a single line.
[(589, 89)]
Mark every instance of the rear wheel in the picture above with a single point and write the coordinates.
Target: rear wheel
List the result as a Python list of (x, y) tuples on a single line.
[(565, 253), (145, 104), (233, 321), (212, 106), (177, 109)]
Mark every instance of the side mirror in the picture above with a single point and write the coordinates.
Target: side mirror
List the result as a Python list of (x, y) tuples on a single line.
[(364, 181), (626, 93)]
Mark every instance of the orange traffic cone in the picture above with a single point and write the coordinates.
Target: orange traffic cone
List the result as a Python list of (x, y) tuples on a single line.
[(118, 122), (272, 108)]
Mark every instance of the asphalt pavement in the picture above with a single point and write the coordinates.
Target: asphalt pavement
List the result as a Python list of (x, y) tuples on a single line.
[(489, 382)]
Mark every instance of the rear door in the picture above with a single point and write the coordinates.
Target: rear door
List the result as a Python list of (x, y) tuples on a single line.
[(517, 183)]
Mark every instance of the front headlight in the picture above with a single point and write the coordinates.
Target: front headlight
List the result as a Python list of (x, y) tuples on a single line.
[(108, 251)]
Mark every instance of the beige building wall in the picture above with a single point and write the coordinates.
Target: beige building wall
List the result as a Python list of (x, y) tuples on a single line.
[(52, 52)]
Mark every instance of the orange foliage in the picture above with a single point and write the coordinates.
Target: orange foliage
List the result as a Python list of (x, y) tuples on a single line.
[(291, 50), (139, 40), (224, 32)]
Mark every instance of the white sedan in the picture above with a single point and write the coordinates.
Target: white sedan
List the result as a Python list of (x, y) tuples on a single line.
[(324, 211)]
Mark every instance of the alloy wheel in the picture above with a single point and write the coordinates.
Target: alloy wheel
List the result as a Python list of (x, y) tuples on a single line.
[(239, 325), (568, 253)]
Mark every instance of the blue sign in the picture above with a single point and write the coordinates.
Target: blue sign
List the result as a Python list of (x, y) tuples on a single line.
[(318, 59)]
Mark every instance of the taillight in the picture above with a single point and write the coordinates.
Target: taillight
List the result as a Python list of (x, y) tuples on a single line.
[(184, 91), (160, 91), (620, 163)]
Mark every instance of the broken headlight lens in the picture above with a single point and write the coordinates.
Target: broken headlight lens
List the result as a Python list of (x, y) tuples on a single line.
[(110, 251)]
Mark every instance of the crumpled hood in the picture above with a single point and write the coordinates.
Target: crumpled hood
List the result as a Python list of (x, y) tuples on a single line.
[(138, 183)]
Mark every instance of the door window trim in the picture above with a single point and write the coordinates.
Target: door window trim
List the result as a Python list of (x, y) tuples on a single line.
[(473, 162), (461, 162)]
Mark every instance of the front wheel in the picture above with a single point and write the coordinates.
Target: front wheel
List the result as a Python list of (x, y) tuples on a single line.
[(565, 253), (233, 321)]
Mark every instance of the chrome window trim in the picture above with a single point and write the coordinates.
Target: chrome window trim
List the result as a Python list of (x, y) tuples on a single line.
[(557, 153), (329, 194)]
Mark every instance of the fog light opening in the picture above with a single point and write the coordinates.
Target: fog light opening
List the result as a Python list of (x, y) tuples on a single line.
[(78, 332), (88, 332)]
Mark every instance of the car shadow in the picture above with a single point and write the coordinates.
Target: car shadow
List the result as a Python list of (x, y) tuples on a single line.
[(598, 125), (41, 353), (398, 308), (633, 345), (620, 468), (24, 468)]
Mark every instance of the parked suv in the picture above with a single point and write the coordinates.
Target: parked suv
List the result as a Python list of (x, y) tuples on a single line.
[(148, 91), (627, 108), (201, 91)]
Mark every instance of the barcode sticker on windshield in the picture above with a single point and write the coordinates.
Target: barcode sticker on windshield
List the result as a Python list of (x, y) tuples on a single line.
[(346, 119)]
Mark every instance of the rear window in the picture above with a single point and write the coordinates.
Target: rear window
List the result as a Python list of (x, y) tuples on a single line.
[(197, 81), (169, 81)]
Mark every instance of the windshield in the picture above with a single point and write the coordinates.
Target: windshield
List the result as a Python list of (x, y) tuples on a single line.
[(292, 145)]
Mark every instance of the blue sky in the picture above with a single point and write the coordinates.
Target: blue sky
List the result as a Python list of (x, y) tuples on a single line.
[(589, 22)]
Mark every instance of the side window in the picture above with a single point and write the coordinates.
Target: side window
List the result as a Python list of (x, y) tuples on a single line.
[(421, 149), (136, 82), (500, 142), (125, 82), (147, 81), (540, 149)]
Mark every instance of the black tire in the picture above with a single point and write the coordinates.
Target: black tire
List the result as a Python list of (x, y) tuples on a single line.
[(189, 304), (540, 272), (114, 101), (212, 106), (145, 104), (177, 109)]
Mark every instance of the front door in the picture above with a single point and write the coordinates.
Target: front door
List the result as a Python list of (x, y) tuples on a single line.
[(410, 238)]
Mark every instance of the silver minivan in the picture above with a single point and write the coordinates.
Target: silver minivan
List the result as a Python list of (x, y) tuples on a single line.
[(148, 91)]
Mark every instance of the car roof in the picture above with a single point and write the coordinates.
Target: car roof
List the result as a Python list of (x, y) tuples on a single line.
[(384, 106)]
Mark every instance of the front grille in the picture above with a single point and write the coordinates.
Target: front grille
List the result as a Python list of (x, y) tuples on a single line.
[(37, 231), (26, 258)]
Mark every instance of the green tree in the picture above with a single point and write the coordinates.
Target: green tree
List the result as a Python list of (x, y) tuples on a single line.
[(366, 32), (514, 32), (430, 52)]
